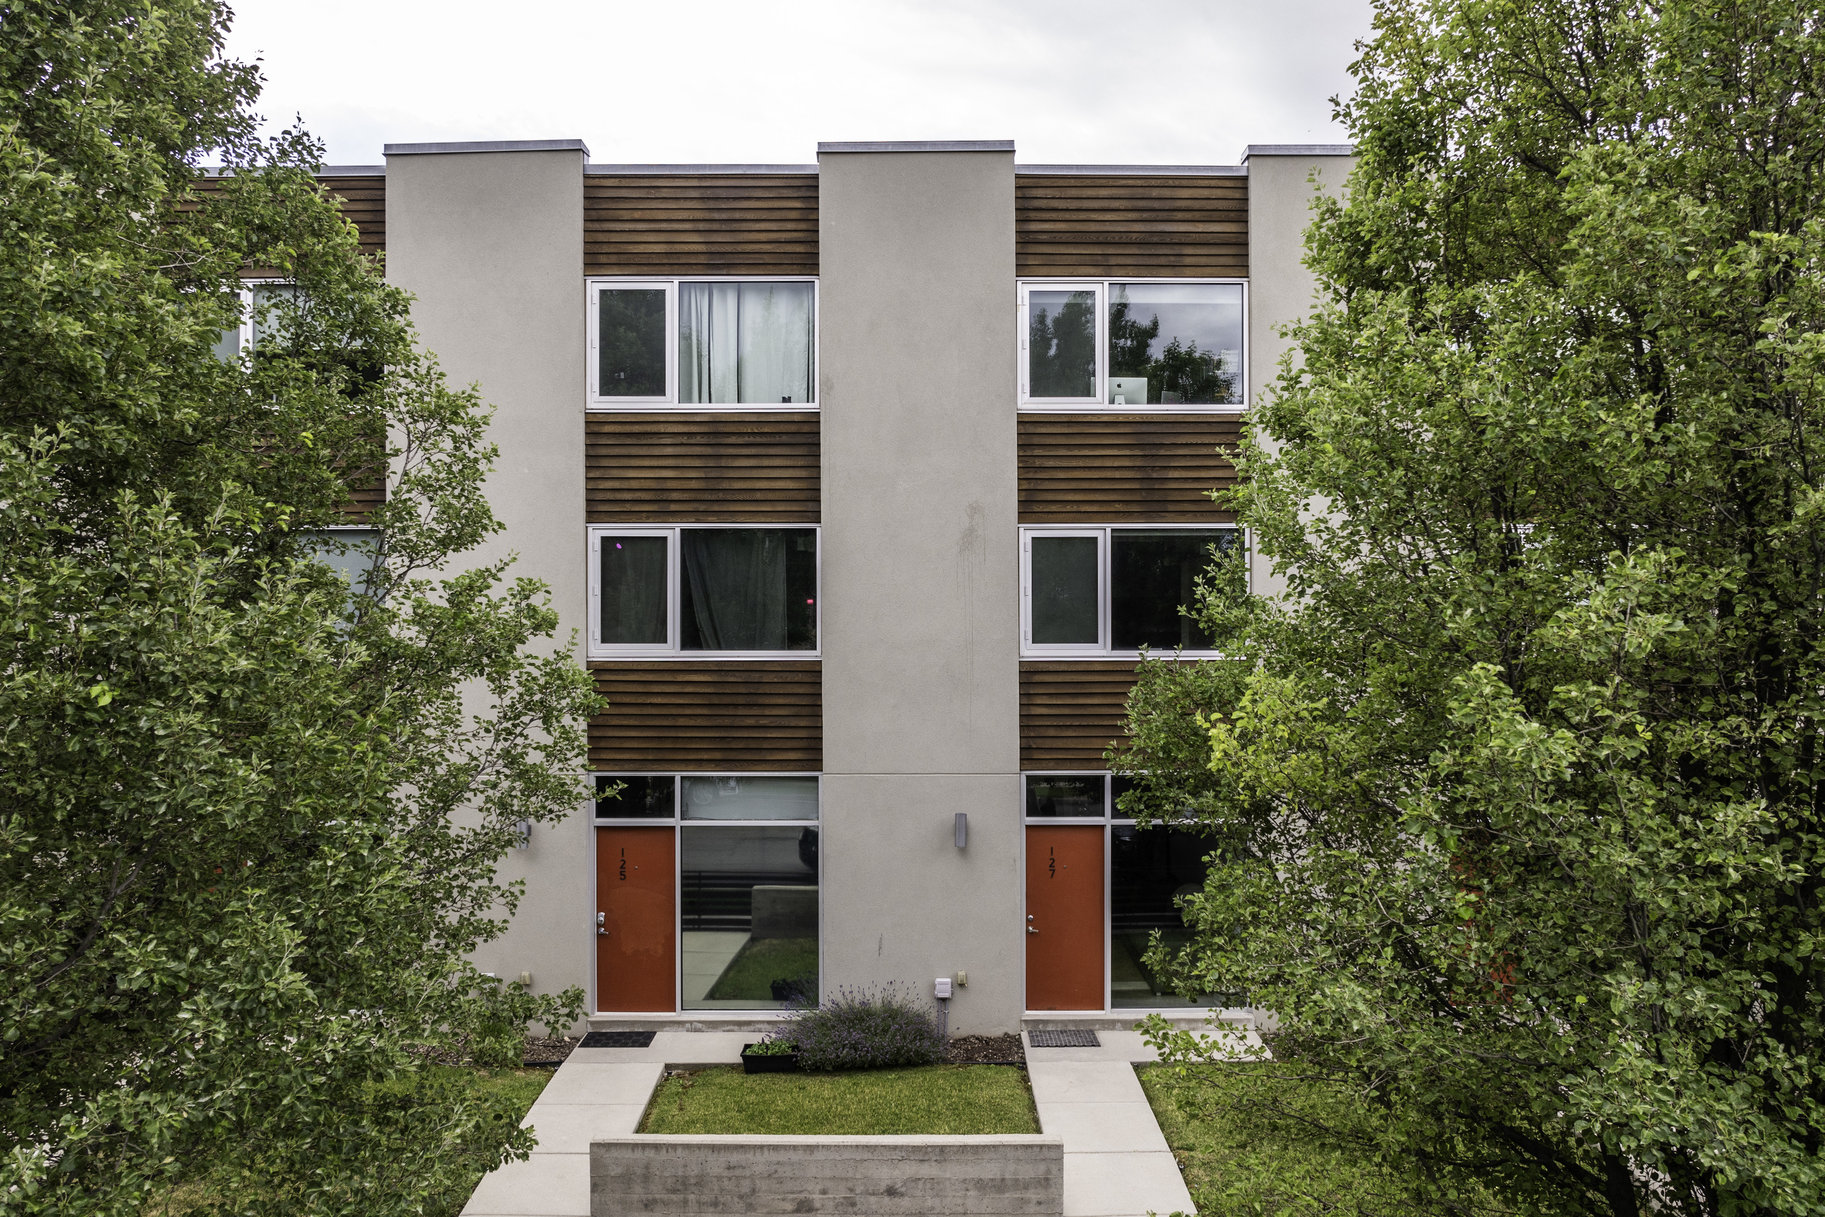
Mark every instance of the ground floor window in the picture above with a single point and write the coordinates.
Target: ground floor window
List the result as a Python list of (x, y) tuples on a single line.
[(725, 915), (1099, 891)]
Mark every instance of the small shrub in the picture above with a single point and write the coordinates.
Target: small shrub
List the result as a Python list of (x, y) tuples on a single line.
[(862, 1029)]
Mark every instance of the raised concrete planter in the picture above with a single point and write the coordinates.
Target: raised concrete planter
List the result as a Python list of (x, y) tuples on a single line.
[(1012, 1176)]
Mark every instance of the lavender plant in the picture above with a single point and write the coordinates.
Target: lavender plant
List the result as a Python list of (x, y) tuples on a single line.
[(865, 1029)]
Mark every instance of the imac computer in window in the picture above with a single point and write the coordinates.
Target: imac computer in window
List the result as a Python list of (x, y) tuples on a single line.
[(1127, 390)]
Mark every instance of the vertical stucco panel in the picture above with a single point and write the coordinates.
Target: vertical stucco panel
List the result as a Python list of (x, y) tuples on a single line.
[(1281, 191), (491, 244), (920, 574)]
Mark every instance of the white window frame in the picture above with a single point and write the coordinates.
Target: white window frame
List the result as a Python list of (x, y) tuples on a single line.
[(1105, 590), (674, 601), (596, 402), (1098, 403), (1098, 291), (1101, 645), (244, 331)]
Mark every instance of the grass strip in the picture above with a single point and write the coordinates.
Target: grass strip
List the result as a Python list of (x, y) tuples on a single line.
[(932, 1100)]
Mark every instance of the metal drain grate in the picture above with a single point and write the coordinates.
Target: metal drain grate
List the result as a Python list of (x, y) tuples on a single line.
[(1063, 1039), (617, 1039)]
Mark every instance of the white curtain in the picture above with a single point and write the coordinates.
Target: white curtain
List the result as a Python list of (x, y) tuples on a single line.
[(745, 343)]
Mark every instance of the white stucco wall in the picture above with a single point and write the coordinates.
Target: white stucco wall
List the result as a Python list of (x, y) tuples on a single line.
[(1282, 186), (920, 576), (491, 243)]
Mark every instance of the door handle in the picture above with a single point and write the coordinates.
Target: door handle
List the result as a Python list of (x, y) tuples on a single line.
[(602, 923)]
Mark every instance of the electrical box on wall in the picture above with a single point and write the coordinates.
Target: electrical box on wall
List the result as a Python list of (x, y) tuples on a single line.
[(941, 987)]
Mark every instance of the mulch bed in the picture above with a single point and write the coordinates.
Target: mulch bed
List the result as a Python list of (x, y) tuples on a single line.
[(550, 1051), (987, 1050)]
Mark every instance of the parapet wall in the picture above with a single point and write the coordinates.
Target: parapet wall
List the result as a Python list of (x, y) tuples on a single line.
[(1007, 1176)]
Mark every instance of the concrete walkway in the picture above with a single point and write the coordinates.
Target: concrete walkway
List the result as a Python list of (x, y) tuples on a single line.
[(1116, 1162)]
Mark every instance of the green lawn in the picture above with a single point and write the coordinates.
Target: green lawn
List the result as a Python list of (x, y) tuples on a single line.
[(1256, 1140), (1244, 1148), (508, 1092), (932, 1099)]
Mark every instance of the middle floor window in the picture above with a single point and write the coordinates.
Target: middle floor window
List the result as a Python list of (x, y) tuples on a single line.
[(1095, 591), (720, 588)]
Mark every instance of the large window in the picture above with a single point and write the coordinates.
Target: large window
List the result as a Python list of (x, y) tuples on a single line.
[(1099, 591), (725, 589), (703, 344), (1132, 345), (747, 880)]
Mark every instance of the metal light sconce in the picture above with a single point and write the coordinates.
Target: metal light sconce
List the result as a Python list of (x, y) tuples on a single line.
[(961, 829)]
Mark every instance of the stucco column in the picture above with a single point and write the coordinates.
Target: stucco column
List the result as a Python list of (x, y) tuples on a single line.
[(489, 238), (1284, 180), (920, 572)]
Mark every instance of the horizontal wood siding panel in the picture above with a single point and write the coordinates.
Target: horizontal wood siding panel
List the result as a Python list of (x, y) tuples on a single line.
[(1097, 226), (364, 204), (709, 716), (702, 468), (1124, 468), (700, 224), (1070, 712)]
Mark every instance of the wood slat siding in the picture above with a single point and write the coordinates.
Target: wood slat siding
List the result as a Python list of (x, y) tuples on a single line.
[(709, 717), (367, 490), (1124, 468), (700, 224), (1067, 225), (701, 468), (1070, 711), (364, 204)]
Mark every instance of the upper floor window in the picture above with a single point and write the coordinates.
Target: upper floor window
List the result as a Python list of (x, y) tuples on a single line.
[(1102, 591), (702, 343), (262, 301), (1130, 344), (711, 588)]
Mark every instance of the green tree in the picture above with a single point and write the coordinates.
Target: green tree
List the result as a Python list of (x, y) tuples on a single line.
[(249, 814), (1517, 793)]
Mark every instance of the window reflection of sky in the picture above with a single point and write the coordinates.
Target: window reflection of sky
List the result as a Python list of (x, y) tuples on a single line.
[(1208, 314)]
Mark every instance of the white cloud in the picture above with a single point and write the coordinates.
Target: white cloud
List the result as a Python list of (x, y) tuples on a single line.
[(1167, 81)]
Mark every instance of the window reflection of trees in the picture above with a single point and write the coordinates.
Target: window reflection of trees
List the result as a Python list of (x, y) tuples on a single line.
[(1062, 345), (1182, 373)]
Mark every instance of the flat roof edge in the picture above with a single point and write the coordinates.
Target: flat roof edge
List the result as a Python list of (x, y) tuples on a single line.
[(917, 145), (319, 171), (1298, 150), (488, 145), (1135, 170), (702, 169)]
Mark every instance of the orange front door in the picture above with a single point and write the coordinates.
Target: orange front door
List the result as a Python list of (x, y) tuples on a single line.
[(636, 919), (1064, 917)]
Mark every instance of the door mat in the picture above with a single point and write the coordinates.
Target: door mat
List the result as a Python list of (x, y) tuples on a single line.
[(617, 1039), (1063, 1039)]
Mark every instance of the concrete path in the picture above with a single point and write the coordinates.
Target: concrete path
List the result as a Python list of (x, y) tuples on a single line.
[(598, 1092), (1116, 1162)]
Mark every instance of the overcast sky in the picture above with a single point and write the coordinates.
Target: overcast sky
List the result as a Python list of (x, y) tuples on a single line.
[(762, 81)]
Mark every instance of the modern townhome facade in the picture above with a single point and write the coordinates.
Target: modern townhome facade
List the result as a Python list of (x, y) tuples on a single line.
[(862, 486)]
